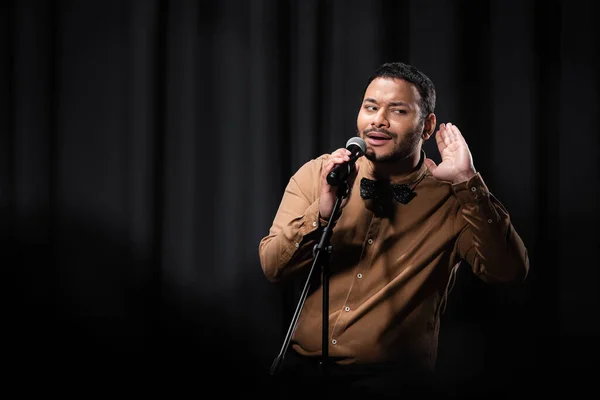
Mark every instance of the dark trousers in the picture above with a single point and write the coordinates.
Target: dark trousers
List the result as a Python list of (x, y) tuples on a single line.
[(304, 377)]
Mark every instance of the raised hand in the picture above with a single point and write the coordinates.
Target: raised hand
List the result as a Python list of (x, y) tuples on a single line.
[(457, 162)]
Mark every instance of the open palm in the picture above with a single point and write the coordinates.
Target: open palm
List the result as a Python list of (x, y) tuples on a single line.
[(457, 162)]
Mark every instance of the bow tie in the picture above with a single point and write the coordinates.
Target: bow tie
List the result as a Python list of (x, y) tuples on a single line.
[(370, 189)]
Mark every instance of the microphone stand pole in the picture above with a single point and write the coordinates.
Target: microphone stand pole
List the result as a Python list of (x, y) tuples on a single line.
[(321, 252)]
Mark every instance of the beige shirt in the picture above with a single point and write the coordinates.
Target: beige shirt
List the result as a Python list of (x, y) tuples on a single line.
[(389, 270)]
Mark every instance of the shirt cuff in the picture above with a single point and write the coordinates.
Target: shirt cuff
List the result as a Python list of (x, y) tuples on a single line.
[(471, 191), (323, 222), (311, 219)]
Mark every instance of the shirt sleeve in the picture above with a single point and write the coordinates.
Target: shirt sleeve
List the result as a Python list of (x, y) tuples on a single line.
[(488, 241), (295, 229)]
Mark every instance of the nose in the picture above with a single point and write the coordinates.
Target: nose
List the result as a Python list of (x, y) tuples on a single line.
[(380, 119)]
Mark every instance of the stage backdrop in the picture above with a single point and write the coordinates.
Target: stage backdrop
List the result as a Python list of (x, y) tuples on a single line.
[(145, 146)]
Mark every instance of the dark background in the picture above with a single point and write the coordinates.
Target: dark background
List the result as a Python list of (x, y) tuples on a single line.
[(145, 146)]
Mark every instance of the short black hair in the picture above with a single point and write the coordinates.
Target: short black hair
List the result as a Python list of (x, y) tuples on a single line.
[(409, 73)]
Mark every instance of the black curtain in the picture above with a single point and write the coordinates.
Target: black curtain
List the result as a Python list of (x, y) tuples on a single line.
[(145, 146)]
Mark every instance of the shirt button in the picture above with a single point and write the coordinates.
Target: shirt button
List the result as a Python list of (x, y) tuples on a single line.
[(315, 223), (347, 309), (333, 341), (297, 245), (370, 241), (359, 276), (489, 221), (473, 189)]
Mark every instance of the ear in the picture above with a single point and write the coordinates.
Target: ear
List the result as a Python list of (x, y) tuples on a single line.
[(429, 126)]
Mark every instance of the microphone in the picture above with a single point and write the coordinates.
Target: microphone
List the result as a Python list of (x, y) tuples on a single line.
[(340, 172)]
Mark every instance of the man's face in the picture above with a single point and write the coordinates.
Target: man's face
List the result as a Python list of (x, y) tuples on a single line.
[(389, 120)]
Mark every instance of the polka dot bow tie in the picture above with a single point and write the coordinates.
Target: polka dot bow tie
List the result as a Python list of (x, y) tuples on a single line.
[(370, 189)]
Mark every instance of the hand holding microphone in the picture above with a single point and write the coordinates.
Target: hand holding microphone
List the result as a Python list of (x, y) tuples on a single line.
[(340, 168)]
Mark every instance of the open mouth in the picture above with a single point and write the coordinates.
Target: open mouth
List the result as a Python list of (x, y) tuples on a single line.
[(378, 138)]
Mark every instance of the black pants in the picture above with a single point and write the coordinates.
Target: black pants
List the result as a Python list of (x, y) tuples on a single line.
[(303, 377)]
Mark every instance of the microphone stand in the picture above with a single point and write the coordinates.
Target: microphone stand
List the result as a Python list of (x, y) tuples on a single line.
[(321, 253)]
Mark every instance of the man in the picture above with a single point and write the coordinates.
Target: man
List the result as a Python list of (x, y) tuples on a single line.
[(402, 229)]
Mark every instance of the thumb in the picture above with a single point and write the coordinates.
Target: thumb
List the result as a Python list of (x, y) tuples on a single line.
[(431, 165)]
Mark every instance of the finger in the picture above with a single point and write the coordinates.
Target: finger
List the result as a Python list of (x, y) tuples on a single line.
[(448, 135), (331, 162), (457, 135), (454, 131), (439, 139), (430, 164), (327, 166), (342, 152), (339, 156)]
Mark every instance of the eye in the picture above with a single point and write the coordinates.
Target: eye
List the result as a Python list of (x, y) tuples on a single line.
[(400, 111), (370, 108)]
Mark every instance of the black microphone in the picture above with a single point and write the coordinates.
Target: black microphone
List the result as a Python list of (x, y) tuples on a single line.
[(340, 172)]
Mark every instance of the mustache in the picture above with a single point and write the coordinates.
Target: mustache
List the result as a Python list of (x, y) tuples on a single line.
[(380, 130)]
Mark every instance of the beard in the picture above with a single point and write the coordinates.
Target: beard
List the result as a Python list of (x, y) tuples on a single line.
[(402, 149)]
